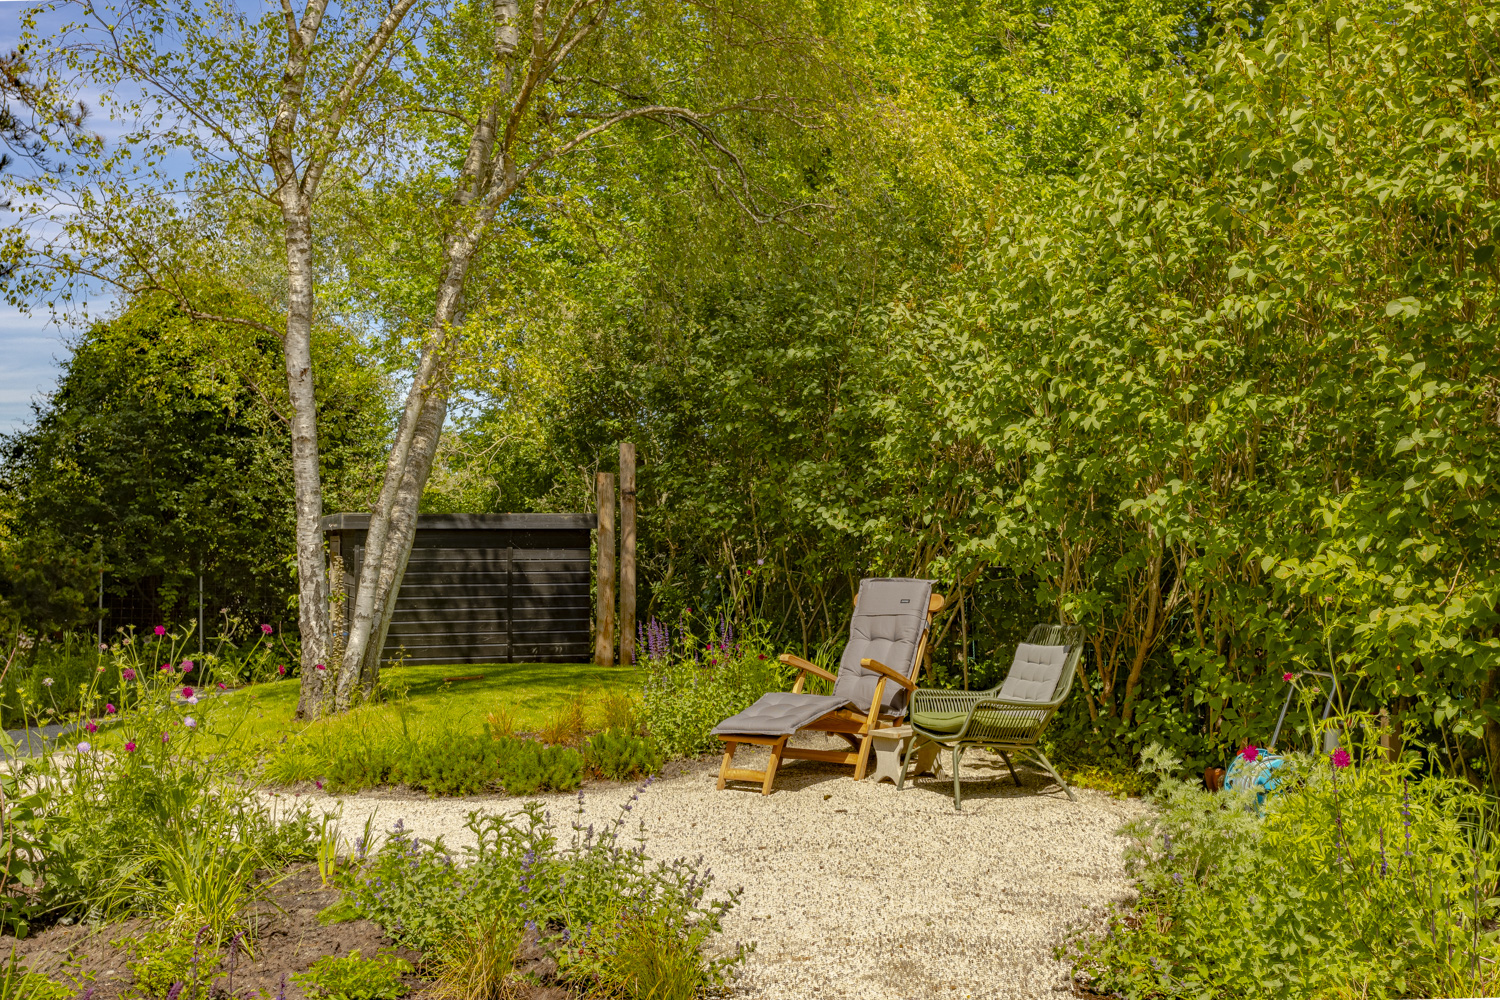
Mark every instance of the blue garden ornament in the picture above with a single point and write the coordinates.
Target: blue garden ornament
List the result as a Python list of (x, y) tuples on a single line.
[(1258, 768)]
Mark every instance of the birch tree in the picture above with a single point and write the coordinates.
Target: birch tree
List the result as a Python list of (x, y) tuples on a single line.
[(465, 104)]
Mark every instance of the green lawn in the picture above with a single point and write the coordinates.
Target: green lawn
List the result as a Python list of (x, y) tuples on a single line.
[(531, 692)]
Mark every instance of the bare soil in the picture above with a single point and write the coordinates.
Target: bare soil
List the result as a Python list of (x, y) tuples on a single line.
[(288, 938)]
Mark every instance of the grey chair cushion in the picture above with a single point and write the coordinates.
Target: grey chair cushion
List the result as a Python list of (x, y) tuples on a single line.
[(1034, 673), (887, 626), (780, 713)]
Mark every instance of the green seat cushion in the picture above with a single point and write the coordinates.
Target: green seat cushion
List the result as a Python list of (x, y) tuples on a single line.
[(939, 722)]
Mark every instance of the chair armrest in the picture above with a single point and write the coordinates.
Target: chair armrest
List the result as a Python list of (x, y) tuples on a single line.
[(887, 673), (804, 665)]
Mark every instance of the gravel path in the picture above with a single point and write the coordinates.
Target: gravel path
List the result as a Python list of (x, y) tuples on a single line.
[(855, 891)]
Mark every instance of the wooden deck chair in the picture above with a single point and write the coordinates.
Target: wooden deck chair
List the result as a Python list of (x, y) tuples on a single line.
[(887, 640)]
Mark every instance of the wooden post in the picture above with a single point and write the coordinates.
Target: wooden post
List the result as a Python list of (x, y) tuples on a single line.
[(627, 553), (604, 638)]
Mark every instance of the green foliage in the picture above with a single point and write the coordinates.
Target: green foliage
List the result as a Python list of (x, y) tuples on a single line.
[(618, 754), (351, 977), (19, 983), (446, 760), (163, 825), (166, 957), (692, 687), (586, 901), (160, 456), (1367, 880), (47, 584)]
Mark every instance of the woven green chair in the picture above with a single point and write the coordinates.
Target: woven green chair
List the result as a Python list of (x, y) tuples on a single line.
[(1009, 718)]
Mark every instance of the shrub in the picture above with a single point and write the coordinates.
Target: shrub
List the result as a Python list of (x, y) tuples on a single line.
[(693, 687), (351, 977), (584, 901), (619, 754), (98, 835), (1361, 880)]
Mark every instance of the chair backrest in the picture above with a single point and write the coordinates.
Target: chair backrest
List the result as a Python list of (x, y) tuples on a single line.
[(889, 624), (1039, 672)]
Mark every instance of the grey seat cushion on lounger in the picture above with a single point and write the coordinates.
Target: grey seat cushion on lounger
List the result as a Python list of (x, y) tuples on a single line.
[(780, 713), (887, 626)]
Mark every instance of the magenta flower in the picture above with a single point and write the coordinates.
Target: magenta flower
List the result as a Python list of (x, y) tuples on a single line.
[(91, 727), (187, 666), (320, 784), (165, 737), (130, 748), (1250, 753), (160, 630), (187, 692), (221, 686), (265, 630), (128, 674), (1341, 758), (320, 667), (109, 709), (1287, 676), (281, 668), (164, 668)]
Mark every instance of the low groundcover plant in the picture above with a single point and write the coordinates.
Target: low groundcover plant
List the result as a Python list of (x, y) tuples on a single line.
[(612, 919)]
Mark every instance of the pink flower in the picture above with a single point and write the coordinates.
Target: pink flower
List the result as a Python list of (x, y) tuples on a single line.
[(1250, 753), (160, 630), (164, 668), (91, 727), (1287, 676), (128, 674), (187, 692), (1341, 758), (130, 748), (320, 667), (320, 784), (187, 665), (221, 686), (190, 722), (109, 709), (165, 737), (265, 630), (281, 668)]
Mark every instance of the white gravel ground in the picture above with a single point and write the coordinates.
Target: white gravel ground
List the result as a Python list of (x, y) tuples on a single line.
[(853, 890)]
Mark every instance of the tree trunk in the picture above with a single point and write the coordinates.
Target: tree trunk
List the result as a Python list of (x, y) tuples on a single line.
[(312, 571), (403, 530)]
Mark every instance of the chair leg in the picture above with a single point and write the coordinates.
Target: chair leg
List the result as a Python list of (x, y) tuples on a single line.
[(957, 800), (1047, 764), (911, 749), (728, 759), (865, 744), (1012, 767), (772, 765)]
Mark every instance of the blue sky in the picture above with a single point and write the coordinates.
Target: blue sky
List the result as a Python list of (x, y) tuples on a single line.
[(30, 346)]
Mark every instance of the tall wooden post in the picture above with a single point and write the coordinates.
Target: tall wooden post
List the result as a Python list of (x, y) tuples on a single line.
[(627, 553), (604, 638)]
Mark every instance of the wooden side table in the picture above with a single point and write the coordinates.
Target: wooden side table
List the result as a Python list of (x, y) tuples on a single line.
[(890, 746)]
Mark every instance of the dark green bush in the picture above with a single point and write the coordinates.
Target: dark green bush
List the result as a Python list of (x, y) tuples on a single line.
[(619, 754)]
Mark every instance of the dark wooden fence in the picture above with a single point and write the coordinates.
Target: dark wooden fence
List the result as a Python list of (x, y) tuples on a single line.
[(484, 588)]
